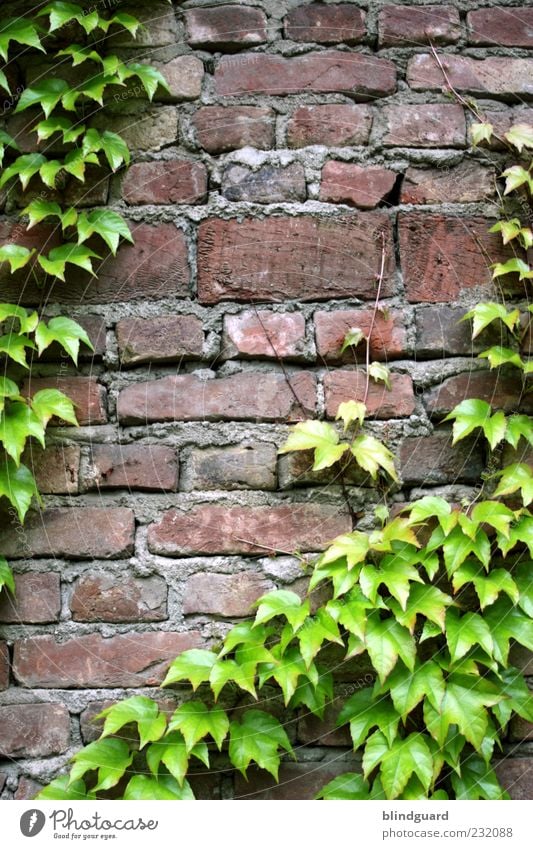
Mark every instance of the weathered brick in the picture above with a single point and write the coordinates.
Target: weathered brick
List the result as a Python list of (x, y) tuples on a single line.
[(264, 334), (388, 339), (332, 124), (104, 597), (416, 25), (441, 332), (219, 529), (184, 76), (159, 26), (137, 466), (381, 402), (4, 665), (161, 339), (520, 729), (126, 660), (37, 599), (78, 532), (296, 469), (241, 467), (501, 390), (223, 128), (442, 255), (425, 125), (88, 395), (27, 789), (467, 182), (356, 74), (226, 27), (433, 461), (276, 259), (502, 27), (323, 732), (326, 24), (364, 187), (516, 776), (296, 781), (270, 184), (249, 395), (168, 181), (224, 595), (32, 731), (504, 77), (151, 129), (55, 468)]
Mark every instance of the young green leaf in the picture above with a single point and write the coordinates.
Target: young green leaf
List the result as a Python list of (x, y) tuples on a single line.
[(423, 600), (62, 789), (112, 145), (348, 786), (354, 547), (17, 423), (165, 788), (196, 721), (14, 346), (20, 30), (516, 176), (46, 94), (464, 704), (497, 356), (476, 780), (150, 78), (173, 753), (257, 737), (17, 484), (487, 586), (24, 167), (16, 256), (407, 689), (61, 13), (193, 665), (517, 427), (517, 476), (282, 603), (71, 131), (405, 758), (38, 210), (473, 413), (364, 712), (66, 332), (463, 632), (51, 402), (380, 372), (6, 576), (319, 436), (144, 712), (520, 136), (481, 131), (109, 225), (350, 412), (352, 339), (111, 757), (485, 313), (385, 641), (57, 259), (395, 576), (372, 456)]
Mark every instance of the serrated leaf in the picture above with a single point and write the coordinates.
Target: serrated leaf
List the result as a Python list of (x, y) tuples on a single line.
[(485, 313), (38, 210), (49, 171), (126, 21), (508, 622), (257, 737), (463, 632), (288, 668), (6, 576), (111, 757), (348, 786), (17, 423), (458, 546), (353, 338), (514, 478), (46, 129), (385, 641), (62, 789), (375, 749), (113, 146), (405, 758), (66, 332), (380, 373), (364, 712), (319, 436), (51, 402), (520, 136), (509, 230), (464, 705), (473, 413), (17, 484), (517, 427), (194, 720), (354, 547), (16, 256), (487, 586), (193, 665), (6, 142), (174, 754), (497, 356), (523, 577), (24, 167), (144, 712), (408, 689), (476, 781), (396, 576), (423, 600), (149, 76), (350, 412), (109, 225), (516, 176), (224, 671), (57, 259), (481, 131), (149, 789), (282, 603), (62, 13), (322, 627), (372, 456), (495, 514), (20, 30), (46, 94)]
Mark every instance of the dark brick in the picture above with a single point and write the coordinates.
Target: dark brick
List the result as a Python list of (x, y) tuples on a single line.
[(161, 339), (467, 182), (331, 124), (296, 781), (332, 24), (55, 468), (31, 731), (165, 182), (223, 128), (242, 467), (501, 390), (37, 599), (137, 466), (269, 184), (224, 595), (425, 125), (226, 27), (502, 27), (104, 597), (416, 25), (4, 666), (516, 776), (497, 75), (433, 461)]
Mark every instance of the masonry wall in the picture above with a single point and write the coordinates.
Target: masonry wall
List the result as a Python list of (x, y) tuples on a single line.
[(298, 141)]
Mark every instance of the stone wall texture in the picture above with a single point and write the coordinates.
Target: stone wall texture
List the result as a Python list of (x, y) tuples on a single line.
[(297, 140)]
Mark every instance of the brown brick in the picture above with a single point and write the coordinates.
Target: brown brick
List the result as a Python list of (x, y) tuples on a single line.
[(165, 182), (151, 129), (520, 729), (219, 529), (443, 255), (296, 781), (388, 338), (433, 461), (425, 125), (83, 533), (355, 74), (88, 396), (184, 76), (241, 467), (105, 597), (223, 128), (276, 259), (464, 183), (502, 27), (364, 187), (249, 395), (264, 334), (296, 469), (4, 665), (381, 403), (323, 732), (159, 26), (55, 468), (416, 25), (497, 75), (331, 124), (161, 339), (225, 27), (32, 731), (37, 599), (333, 24), (441, 332), (502, 121), (126, 660), (269, 184), (137, 466), (500, 390), (516, 776), (27, 789), (224, 595)]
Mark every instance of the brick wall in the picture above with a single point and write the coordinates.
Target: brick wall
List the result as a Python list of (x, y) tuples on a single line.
[(297, 138)]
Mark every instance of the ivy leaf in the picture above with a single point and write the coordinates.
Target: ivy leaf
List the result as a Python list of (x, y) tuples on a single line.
[(481, 131), (105, 223), (61, 13), (350, 612), (364, 712), (38, 210), (173, 753), (520, 135), (4, 82), (20, 30), (313, 633), (485, 313), (350, 412), (405, 758), (151, 724), (464, 704), (18, 485), (113, 146), (473, 413), (354, 547), (509, 230), (62, 789), (379, 372), (195, 721), (6, 576), (425, 600), (14, 346), (146, 788), (488, 587), (48, 172), (457, 547), (150, 78), (507, 622), (518, 426), (51, 402), (71, 132), (258, 737), (321, 437), (492, 513), (287, 671), (372, 455), (499, 356), (477, 781), (385, 641), (407, 689), (127, 22), (395, 576), (77, 255), (315, 697), (515, 176), (45, 94), (111, 757), (463, 632), (519, 698), (375, 749), (517, 476), (66, 332), (5, 140), (16, 256), (17, 423), (282, 603), (348, 786), (193, 665), (24, 167), (353, 338), (225, 671), (80, 54), (523, 577)]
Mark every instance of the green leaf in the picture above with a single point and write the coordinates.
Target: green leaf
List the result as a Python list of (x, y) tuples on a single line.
[(492, 513), (18, 485), (423, 600), (151, 723), (45, 94), (17, 423), (407, 689), (105, 223), (48, 172), (517, 476), (509, 230), (405, 758), (354, 547), (24, 167), (464, 704), (520, 136), (476, 781), (66, 332), (38, 210), (51, 402), (225, 671), (372, 455), (14, 346), (16, 256), (111, 757), (508, 622), (193, 665), (149, 789), (348, 786), (518, 426), (63, 790), (195, 721), (485, 313), (287, 670), (385, 641), (353, 338), (315, 697), (71, 132), (282, 603), (463, 632), (61, 13), (516, 176), (474, 413), (314, 632), (431, 506), (519, 698), (487, 586), (395, 576), (481, 131), (523, 577), (77, 255), (150, 78), (319, 436), (127, 22), (6, 576), (6, 142), (113, 146), (20, 30), (257, 737), (376, 747), (173, 753), (380, 372), (350, 412), (364, 712), (499, 356), (457, 547), (4, 83)]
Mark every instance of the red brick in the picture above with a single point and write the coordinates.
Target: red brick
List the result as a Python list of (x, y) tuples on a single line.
[(269, 184), (326, 24), (27, 789), (467, 182), (331, 124), (247, 466), (88, 396), (433, 461), (388, 335), (296, 781), (37, 599), (226, 27), (4, 666), (220, 529), (264, 334), (440, 332), (55, 468), (323, 732), (168, 181), (224, 595), (442, 255), (425, 125), (248, 395), (516, 776), (137, 466), (305, 259), (126, 660), (161, 339), (184, 76), (364, 187), (381, 402), (32, 731), (416, 25), (223, 128), (101, 597), (354, 74), (501, 390), (79, 532), (502, 27), (496, 75)]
